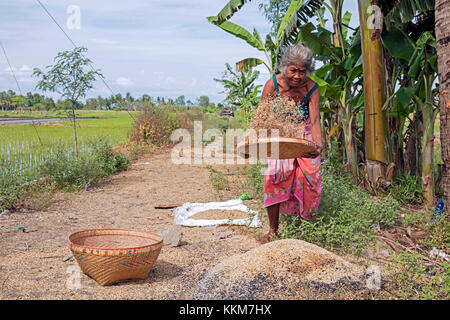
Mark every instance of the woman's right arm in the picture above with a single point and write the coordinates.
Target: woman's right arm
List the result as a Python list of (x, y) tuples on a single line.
[(268, 91)]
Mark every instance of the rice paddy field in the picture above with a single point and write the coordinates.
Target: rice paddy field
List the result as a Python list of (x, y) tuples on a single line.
[(23, 147)]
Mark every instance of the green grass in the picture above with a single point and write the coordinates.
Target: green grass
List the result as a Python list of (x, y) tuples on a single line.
[(345, 217), (25, 147)]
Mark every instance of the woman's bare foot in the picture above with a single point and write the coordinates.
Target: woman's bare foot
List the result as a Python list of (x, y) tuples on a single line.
[(267, 237)]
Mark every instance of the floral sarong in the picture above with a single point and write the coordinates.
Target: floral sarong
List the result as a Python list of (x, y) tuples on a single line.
[(294, 183)]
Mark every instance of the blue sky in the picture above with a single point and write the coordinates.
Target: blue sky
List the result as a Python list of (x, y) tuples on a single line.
[(159, 47)]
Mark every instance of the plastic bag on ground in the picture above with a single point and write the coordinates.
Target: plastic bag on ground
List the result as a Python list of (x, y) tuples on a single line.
[(188, 209)]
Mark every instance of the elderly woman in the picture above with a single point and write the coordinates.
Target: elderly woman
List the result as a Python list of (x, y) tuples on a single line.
[(293, 186)]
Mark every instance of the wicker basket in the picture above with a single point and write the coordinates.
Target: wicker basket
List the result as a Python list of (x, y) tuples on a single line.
[(112, 255), (276, 148)]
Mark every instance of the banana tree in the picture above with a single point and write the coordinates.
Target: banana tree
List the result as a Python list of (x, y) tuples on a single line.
[(241, 90), (298, 12), (418, 62), (375, 122), (423, 67), (338, 80)]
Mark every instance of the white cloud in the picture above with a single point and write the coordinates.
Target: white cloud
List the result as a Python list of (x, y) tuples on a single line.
[(124, 82), (23, 71)]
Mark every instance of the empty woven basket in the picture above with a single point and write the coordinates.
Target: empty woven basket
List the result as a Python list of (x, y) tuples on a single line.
[(112, 255)]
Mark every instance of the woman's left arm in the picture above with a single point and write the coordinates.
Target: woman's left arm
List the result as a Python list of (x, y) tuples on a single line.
[(314, 113)]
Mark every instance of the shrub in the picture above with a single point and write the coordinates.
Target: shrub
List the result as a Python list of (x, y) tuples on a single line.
[(12, 184), (406, 189), (345, 216), (218, 180), (154, 126), (96, 161), (109, 161)]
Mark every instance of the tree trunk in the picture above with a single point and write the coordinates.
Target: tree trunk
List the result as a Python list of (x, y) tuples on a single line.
[(411, 146), (75, 140), (442, 28), (374, 93), (427, 153)]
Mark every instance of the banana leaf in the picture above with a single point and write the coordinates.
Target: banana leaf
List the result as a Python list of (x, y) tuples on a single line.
[(247, 64), (318, 42), (398, 44), (240, 32), (228, 11)]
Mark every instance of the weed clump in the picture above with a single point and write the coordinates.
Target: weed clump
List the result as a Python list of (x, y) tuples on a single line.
[(154, 126), (346, 215), (407, 189), (96, 161), (12, 185)]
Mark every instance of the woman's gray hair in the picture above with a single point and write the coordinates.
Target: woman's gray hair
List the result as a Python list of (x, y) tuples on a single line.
[(296, 53)]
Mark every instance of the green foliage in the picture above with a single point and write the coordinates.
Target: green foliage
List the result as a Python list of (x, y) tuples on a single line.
[(155, 125), (203, 101), (11, 186), (218, 180), (413, 279), (109, 161), (297, 13), (406, 189), (439, 234), (274, 10), (254, 180), (241, 91), (96, 161), (346, 215), (68, 76)]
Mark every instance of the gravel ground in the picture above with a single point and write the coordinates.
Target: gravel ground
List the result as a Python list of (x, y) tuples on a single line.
[(31, 262)]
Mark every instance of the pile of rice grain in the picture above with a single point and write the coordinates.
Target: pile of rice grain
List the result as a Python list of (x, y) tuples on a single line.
[(217, 214), (280, 119)]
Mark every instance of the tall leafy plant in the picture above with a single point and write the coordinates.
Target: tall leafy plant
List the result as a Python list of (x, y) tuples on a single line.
[(298, 12), (241, 89), (70, 78)]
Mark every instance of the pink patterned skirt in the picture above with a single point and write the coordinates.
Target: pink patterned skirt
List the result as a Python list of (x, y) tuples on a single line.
[(294, 183)]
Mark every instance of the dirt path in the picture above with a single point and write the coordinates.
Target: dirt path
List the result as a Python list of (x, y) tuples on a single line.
[(31, 263)]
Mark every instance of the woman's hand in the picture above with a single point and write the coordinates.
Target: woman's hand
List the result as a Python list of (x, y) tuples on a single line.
[(315, 153)]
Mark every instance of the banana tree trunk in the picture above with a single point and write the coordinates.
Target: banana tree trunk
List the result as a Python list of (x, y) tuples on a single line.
[(349, 140), (442, 28), (374, 92), (429, 117)]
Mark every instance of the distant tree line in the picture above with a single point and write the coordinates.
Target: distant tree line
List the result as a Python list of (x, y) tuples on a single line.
[(10, 100)]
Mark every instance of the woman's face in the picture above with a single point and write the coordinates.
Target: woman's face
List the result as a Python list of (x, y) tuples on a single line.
[(296, 73)]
